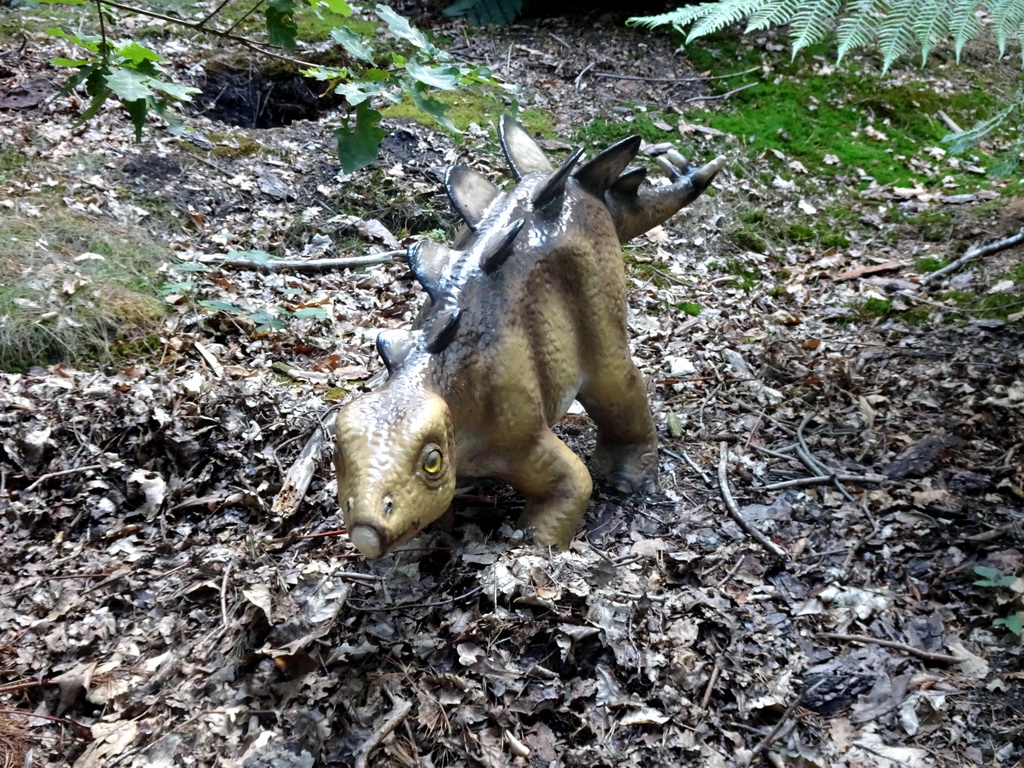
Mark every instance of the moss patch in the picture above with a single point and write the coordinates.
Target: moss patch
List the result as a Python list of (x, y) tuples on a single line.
[(75, 289)]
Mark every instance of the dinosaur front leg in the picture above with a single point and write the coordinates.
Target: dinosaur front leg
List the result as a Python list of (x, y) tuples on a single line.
[(627, 445), (556, 485)]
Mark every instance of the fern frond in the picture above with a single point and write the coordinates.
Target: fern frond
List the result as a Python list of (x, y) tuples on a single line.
[(931, 25), (813, 23), (678, 19), (858, 28), (773, 12), (896, 34), (964, 140), (964, 23), (1006, 20), (721, 15)]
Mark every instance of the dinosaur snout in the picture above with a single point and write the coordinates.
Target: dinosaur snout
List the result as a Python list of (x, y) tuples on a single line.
[(367, 540), (366, 524)]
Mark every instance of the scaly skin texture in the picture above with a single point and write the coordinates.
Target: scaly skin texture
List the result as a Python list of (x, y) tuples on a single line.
[(529, 314)]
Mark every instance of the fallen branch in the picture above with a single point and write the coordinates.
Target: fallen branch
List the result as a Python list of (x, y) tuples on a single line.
[(725, 95), (296, 480), (802, 482), (50, 475), (767, 740), (730, 504), (940, 658), (818, 467), (375, 739), (617, 76), (975, 253), (306, 265)]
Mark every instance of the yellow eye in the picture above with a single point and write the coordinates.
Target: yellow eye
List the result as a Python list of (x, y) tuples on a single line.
[(432, 462)]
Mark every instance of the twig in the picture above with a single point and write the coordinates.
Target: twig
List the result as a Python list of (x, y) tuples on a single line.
[(688, 460), (716, 672), (950, 122), (767, 740), (812, 463), (50, 475), (198, 27), (213, 362), (307, 265), (579, 77), (730, 503), (725, 95), (940, 658), (374, 740), (974, 253), (617, 76), (801, 482), (300, 473), (224, 594), (23, 713)]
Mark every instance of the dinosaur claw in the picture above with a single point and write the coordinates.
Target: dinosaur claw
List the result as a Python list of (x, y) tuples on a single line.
[(703, 175)]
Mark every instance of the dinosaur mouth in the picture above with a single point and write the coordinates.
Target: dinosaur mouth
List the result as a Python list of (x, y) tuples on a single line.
[(368, 541)]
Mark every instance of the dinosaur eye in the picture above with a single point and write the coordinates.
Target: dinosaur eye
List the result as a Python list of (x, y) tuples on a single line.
[(432, 461)]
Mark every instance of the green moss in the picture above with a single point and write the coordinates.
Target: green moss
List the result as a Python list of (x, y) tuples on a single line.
[(54, 308), (749, 241), (871, 309), (747, 278), (644, 268), (867, 122), (600, 132), (929, 264), (472, 105)]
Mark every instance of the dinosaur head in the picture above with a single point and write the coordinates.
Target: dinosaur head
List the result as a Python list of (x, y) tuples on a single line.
[(395, 459)]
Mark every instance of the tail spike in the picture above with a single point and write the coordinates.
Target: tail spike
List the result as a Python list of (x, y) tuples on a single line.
[(500, 248), (524, 155), (629, 182), (470, 193), (601, 172), (444, 330), (554, 185)]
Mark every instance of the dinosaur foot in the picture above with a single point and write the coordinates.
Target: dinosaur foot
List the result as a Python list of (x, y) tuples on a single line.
[(629, 468)]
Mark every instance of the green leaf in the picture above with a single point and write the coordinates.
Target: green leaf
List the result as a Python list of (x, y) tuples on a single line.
[(137, 53), (175, 91), (191, 266), (358, 146), (317, 313), (325, 73), (281, 27), (400, 27), (128, 85), (992, 577), (90, 43), (436, 109), (1014, 623), (353, 43), (221, 306), (445, 78), (62, 62), (137, 112), (266, 321)]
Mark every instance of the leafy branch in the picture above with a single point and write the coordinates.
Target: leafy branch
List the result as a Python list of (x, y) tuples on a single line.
[(403, 64)]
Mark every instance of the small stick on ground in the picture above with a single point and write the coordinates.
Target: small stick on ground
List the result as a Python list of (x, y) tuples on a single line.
[(50, 475), (725, 95), (812, 463), (939, 658), (375, 739), (730, 503), (822, 480), (688, 460), (975, 253), (767, 740), (307, 265), (300, 473)]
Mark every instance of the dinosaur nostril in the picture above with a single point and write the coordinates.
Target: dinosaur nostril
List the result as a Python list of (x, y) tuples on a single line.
[(387, 506)]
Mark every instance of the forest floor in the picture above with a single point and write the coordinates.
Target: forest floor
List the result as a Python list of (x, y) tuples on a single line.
[(163, 602)]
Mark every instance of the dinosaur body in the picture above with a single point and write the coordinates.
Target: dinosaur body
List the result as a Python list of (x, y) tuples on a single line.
[(528, 315)]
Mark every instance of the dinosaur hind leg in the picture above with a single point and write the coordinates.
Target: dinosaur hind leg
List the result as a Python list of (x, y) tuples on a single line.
[(556, 485), (627, 446)]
